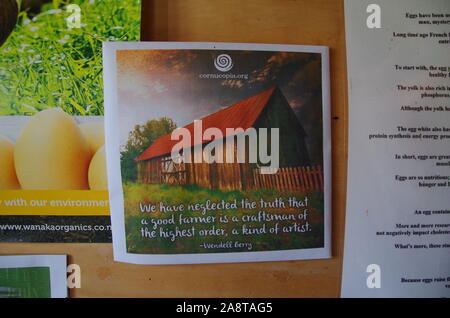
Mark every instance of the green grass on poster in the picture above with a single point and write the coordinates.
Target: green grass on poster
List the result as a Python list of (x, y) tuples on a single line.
[(44, 64), (27, 282)]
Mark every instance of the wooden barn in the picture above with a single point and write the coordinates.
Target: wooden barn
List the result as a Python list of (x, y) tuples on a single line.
[(268, 109)]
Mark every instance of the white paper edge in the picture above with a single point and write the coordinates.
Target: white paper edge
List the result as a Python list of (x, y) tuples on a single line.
[(347, 13), (56, 263), (113, 160)]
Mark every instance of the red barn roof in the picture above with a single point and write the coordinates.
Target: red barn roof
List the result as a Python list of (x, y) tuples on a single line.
[(242, 114)]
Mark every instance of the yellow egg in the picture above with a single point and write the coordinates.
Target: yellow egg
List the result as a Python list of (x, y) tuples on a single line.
[(95, 135), (51, 153), (8, 177), (97, 171)]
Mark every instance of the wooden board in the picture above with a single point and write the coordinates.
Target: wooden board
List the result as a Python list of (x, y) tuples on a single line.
[(318, 22)]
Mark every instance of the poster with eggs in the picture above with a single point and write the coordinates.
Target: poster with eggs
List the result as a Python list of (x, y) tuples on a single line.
[(53, 185)]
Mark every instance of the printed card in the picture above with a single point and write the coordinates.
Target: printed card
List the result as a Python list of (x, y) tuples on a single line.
[(217, 152)]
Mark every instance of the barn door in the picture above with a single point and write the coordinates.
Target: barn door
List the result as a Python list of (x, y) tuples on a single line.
[(173, 172)]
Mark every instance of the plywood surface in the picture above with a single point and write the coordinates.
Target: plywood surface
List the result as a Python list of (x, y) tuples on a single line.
[(318, 22)]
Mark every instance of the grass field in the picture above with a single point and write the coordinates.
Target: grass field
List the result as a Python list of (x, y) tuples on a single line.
[(45, 64), (224, 239)]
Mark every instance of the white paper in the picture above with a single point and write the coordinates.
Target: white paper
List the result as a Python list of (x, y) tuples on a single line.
[(123, 113), (57, 265), (397, 241)]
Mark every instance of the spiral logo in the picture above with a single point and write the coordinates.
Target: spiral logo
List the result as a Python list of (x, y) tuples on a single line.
[(223, 62)]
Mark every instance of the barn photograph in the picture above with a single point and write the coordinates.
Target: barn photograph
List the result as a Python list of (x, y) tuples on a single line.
[(267, 109), (265, 115)]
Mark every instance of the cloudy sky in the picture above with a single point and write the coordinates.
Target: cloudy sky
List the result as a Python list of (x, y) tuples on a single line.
[(167, 83)]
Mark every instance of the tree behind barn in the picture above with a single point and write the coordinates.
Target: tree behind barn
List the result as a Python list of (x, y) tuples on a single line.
[(140, 139)]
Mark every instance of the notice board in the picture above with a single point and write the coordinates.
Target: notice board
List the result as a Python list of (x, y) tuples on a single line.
[(253, 21)]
